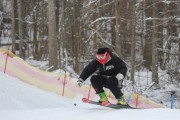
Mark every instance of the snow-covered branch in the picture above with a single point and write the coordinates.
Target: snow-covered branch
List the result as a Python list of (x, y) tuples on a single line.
[(102, 18), (169, 51)]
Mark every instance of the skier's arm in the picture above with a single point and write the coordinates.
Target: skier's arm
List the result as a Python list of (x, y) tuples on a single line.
[(121, 67), (88, 70)]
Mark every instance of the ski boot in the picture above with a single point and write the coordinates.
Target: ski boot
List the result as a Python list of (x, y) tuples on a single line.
[(103, 99), (121, 101)]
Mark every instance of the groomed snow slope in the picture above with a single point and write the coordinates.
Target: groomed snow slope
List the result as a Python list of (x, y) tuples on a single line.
[(21, 101)]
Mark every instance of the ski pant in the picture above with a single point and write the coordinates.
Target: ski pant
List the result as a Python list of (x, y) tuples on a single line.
[(98, 82)]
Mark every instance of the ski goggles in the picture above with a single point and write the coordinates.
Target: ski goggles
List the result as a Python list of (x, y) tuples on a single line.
[(101, 56)]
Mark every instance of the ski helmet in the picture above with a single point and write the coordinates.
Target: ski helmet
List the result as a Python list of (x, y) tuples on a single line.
[(102, 55)]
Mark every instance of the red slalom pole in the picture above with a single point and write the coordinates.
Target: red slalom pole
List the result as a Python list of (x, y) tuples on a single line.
[(6, 61), (64, 82), (137, 97), (89, 92)]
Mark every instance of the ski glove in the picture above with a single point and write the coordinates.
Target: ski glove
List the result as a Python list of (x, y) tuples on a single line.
[(80, 82), (120, 77)]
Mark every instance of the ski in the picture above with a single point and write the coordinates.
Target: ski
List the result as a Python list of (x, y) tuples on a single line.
[(109, 105)]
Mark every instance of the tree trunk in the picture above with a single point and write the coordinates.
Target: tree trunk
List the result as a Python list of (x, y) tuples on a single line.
[(161, 9), (1, 5), (154, 44), (1, 10), (22, 48), (35, 41), (117, 42), (76, 35), (123, 26), (58, 26), (62, 33), (94, 16), (13, 32), (52, 33), (147, 53), (132, 34)]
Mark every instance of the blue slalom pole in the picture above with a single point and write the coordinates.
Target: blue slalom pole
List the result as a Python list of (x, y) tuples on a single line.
[(172, 101), (129, 98)]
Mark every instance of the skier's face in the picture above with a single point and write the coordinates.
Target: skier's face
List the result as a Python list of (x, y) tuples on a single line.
[(102, 58)]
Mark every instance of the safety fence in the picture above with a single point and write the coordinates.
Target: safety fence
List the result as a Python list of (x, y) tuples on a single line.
[(61, 83)]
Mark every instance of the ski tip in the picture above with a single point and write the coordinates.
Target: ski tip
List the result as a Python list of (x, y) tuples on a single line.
[(85, 100), (105, 103)]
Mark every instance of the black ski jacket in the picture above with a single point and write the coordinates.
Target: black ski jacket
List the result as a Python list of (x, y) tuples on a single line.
[(111, 68)]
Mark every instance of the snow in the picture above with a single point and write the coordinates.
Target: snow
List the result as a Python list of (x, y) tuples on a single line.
[(21, 101), (102, 18)]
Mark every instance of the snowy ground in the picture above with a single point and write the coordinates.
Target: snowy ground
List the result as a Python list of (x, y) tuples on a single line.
[(20, 101)]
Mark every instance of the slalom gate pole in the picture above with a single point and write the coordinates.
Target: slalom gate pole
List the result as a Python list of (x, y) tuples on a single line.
[(64, 83), (6, 60), (89, 92), (137, 97), (172, 101), (129, 98)]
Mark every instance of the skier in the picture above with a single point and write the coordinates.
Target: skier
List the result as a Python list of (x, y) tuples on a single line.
[(109, 71)]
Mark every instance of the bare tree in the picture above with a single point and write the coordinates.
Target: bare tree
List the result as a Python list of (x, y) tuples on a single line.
[(57, 4), (147, 53), (132, 35), (121, 26), (34, 27), (52, 33), (62, 40), (94, 16), (117, 43), (1, 5), (13, 25), (1, 16), (76, 35), (82, 26), (20, 26), (154, 44)]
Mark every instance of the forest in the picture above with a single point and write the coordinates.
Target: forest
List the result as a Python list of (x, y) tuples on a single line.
[(144, 33)]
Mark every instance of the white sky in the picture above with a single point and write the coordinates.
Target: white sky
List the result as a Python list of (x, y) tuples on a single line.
[(20, 101)]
